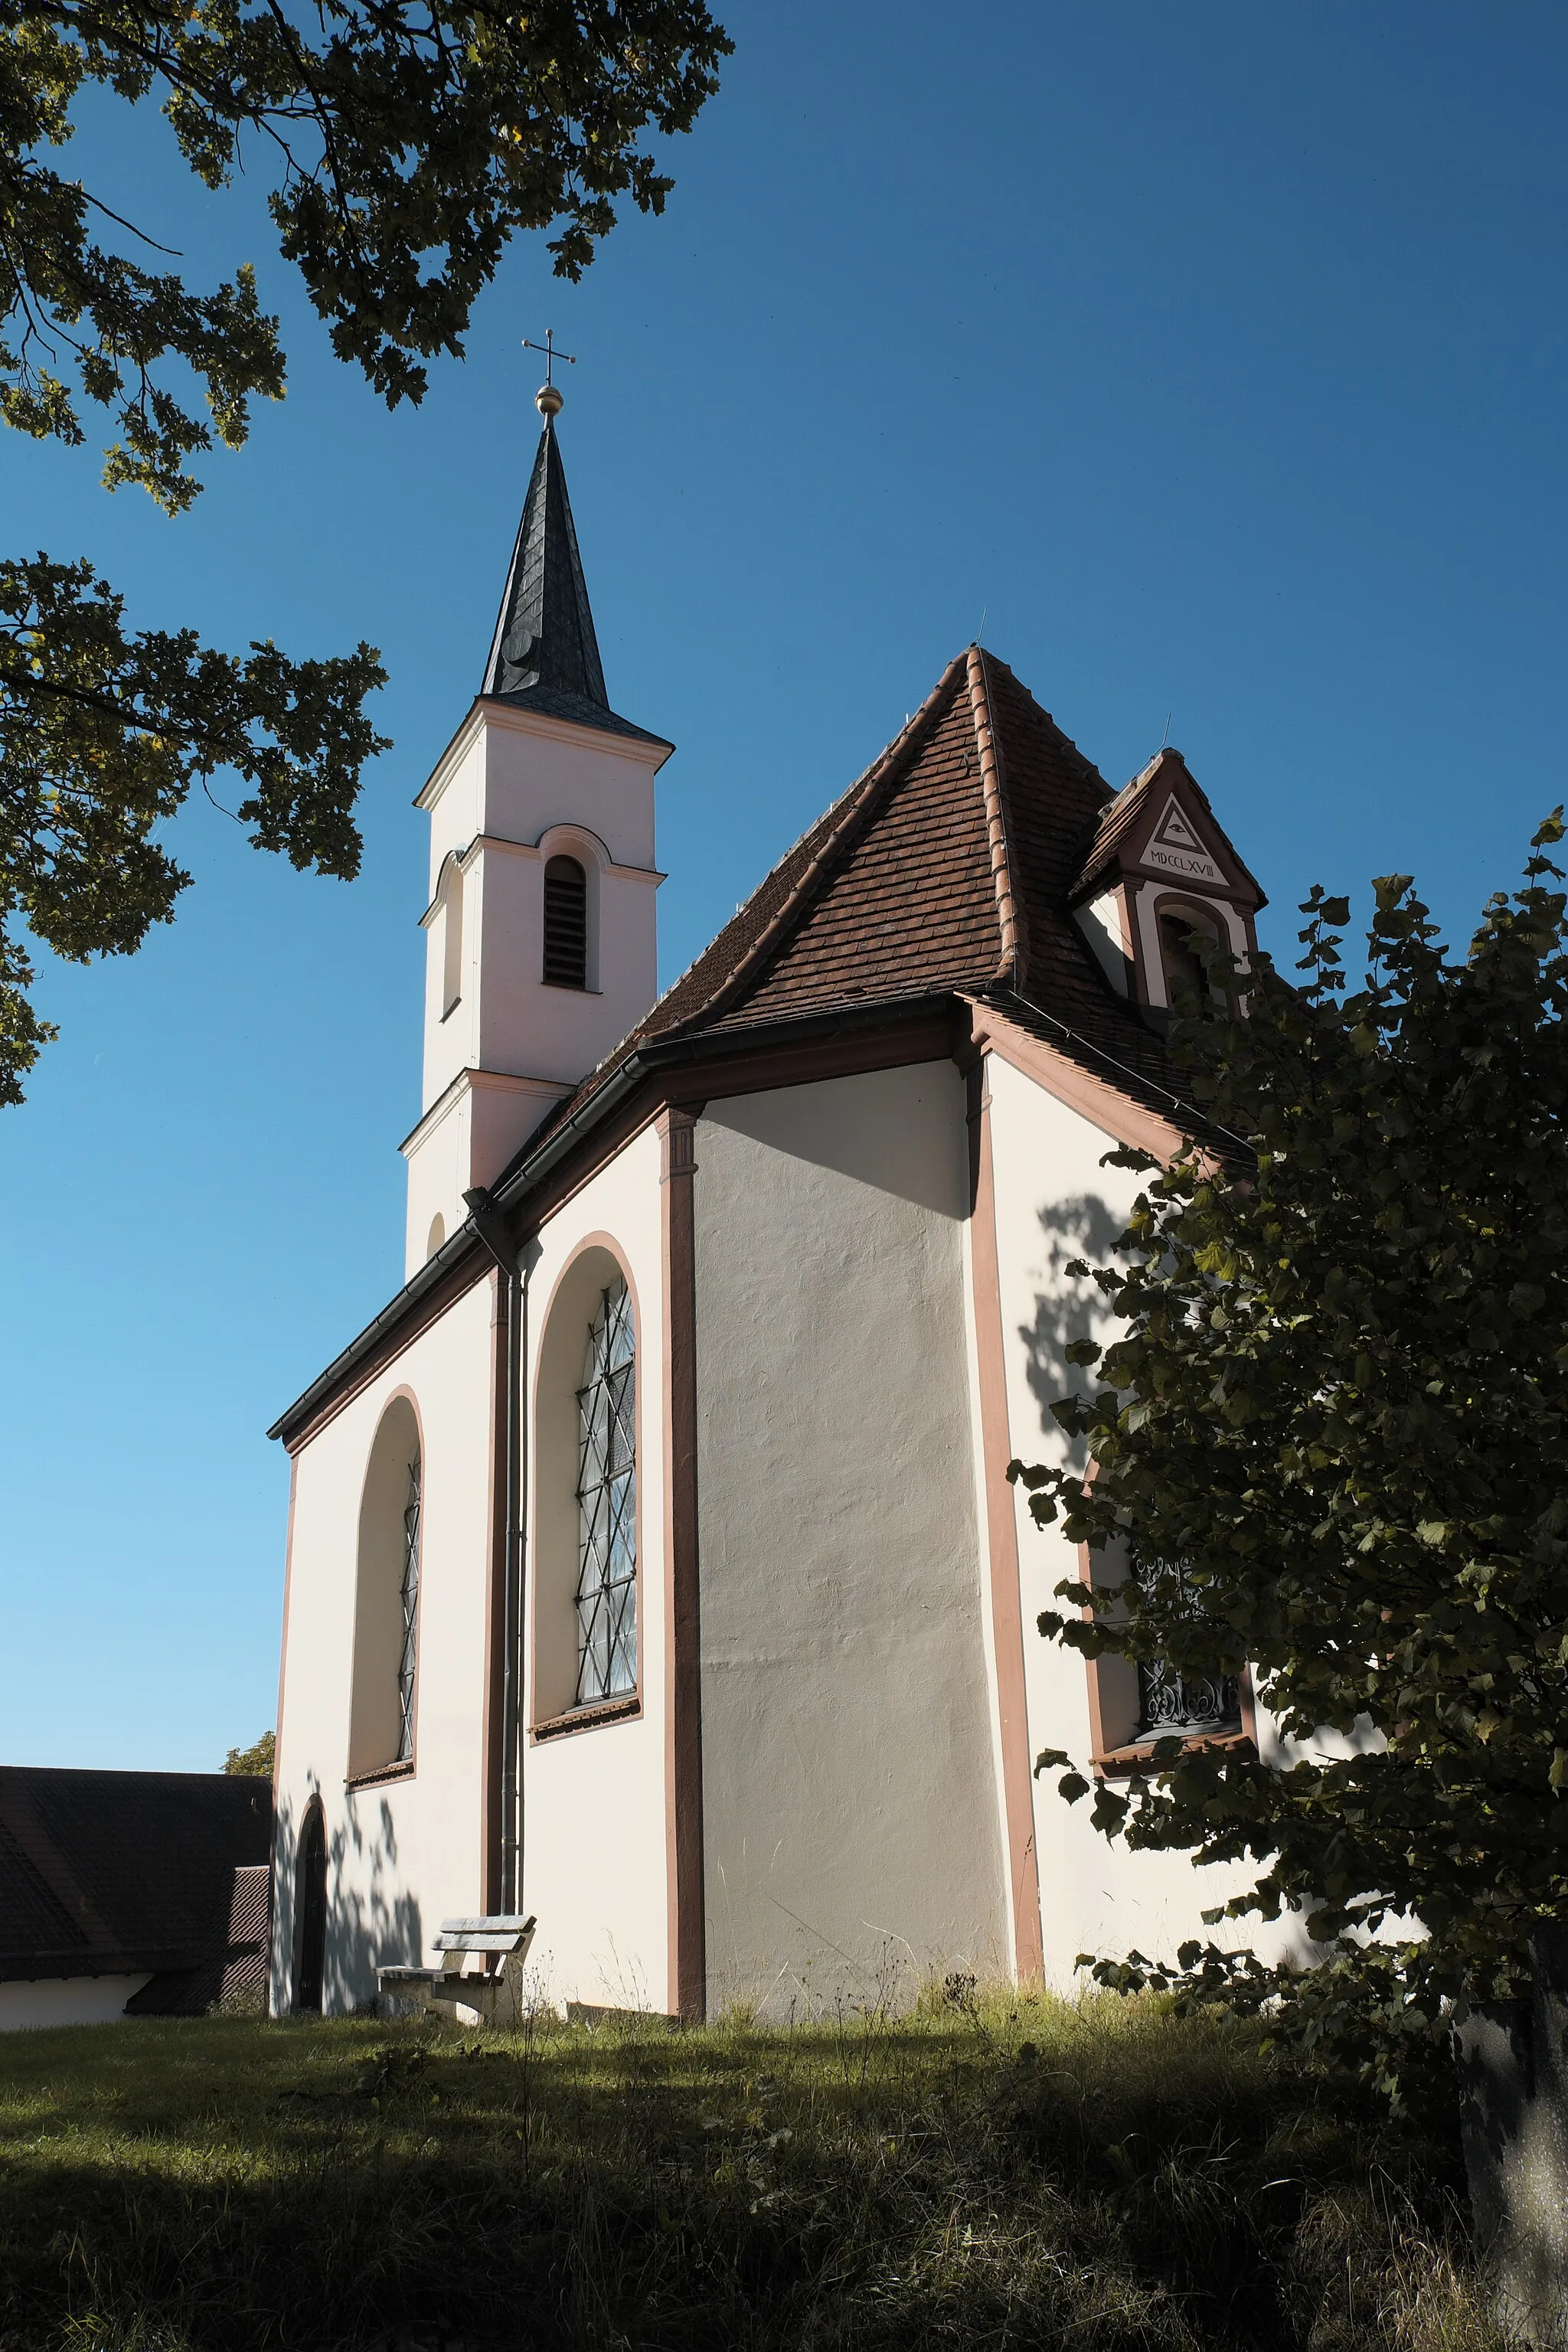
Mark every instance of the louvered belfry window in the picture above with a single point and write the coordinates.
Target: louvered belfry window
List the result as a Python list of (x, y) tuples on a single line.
[(410, 1597), (565, 924), (608, 1505)]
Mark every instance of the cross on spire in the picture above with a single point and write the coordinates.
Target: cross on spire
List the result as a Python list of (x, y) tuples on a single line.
[(548, 399)]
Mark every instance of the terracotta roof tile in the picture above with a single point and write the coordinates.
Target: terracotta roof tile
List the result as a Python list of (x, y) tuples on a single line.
[(945, 869)]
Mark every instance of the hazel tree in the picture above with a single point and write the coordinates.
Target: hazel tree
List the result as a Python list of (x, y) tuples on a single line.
[(403, 146), (1338, 1400)]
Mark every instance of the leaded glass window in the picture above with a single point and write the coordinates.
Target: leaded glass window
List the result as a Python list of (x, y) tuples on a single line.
[(608, 1505), (1171, 1704), (410, 1597)]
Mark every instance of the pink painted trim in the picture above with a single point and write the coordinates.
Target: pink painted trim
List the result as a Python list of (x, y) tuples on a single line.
[(1002, 1537), (686, 1929), (1104, 1105), (626, 1709), (1015, 961), (283, 1642)]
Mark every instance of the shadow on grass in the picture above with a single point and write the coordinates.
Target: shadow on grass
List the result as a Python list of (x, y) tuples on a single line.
[(1023, 2173)]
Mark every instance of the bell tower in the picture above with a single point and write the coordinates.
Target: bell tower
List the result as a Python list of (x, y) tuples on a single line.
[(540, 932)]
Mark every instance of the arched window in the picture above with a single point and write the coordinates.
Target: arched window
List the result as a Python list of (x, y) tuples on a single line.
[(387, 1606), (565, 924), (1181, 929), (607, 1505), (583, 1629), (437, 1234), (452, 942)]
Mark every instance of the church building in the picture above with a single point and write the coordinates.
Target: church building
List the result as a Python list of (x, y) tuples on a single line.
[(653, 1566)]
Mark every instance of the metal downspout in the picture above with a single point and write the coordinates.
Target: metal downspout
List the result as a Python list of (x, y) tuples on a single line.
[(490, 1227)]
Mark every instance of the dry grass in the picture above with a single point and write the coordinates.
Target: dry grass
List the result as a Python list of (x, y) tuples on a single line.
[(1012, 2173)]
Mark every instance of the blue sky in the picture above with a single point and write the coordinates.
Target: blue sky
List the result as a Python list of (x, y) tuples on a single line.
[(1215, 357)]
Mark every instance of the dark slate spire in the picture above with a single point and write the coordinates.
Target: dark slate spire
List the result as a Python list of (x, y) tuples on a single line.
[(544, 655), (544, 635)]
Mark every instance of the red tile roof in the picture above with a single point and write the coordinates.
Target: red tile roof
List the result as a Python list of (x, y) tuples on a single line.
[(944, 874), (945, 869)]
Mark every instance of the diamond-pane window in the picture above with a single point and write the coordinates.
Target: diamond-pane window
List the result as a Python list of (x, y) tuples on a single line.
[(608, 1505), (410, 1595), (1171, 1704)]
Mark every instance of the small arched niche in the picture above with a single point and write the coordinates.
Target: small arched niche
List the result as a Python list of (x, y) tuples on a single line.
[(437, 1234), (310, 1909), (452, 940), (586, 1646), (387, 1602)]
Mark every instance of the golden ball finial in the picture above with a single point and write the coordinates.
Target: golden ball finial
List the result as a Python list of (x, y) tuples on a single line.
[(548, 401)]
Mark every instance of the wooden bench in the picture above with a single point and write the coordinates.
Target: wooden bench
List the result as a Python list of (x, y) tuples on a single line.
[(495, 1997)]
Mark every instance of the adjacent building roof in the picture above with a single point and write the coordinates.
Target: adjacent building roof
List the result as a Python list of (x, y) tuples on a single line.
[(544, 654), (110, 1873)]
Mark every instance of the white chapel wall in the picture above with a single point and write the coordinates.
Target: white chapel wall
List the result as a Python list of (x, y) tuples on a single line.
[(539, 773), (850, 1818), (405, 1853), (451, 1031), (594, 1834), (1055, 1203)]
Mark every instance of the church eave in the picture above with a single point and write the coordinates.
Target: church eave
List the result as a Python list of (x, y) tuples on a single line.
[(463, 1259), (575, 710), (921, 1026), (525, 707)]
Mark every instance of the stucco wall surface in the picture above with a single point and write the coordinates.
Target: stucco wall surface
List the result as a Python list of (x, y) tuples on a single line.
[(402, 1855), (65, 2000), (517, 776), (542, 772), (849, 1802), (594, 1826), (518, 1023), (1054, 1203)]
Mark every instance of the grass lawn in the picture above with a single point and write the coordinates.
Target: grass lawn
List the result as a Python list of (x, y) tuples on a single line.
[(1017, 2172)]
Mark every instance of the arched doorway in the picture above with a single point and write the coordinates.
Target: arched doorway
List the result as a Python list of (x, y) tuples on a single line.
[(313, 1884)]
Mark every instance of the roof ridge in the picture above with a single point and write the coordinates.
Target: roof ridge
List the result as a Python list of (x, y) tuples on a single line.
[(1014, 962), (857, 803)]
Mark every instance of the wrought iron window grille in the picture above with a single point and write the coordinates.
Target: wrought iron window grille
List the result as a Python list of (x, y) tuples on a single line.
[(606, 1506), (1171, 1704), (410, 1599)]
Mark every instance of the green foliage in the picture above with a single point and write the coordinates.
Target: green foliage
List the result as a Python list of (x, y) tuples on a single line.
[(405, 146), (1011, 2171), (257, 1760), (1338, 1398), (102, 735)]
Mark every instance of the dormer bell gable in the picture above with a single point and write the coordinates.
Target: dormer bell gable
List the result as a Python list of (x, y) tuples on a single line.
[(1161, 867)]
